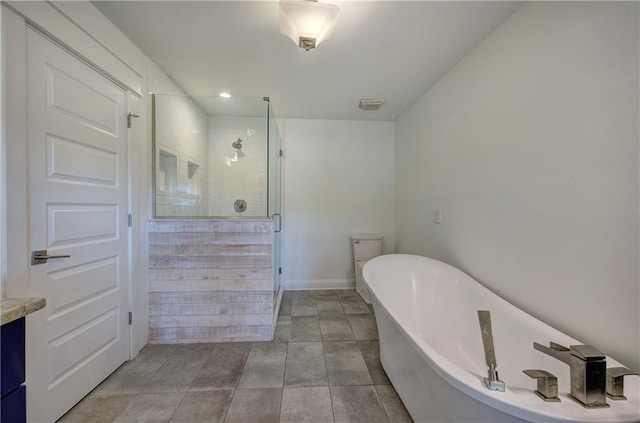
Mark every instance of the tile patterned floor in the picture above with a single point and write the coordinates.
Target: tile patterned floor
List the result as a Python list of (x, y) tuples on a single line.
[(323, 366)]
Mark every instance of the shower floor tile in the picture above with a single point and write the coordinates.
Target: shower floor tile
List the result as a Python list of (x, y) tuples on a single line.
[(313, 371)]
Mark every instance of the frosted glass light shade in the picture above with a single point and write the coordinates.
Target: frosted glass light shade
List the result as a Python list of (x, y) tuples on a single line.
[(307, 23)]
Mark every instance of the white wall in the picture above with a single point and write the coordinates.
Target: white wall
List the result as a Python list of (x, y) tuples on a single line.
[(529, 146), (241, 177), (338, 181), (181, 134)]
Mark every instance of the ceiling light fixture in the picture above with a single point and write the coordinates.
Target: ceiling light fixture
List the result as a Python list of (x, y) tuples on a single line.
[(307, 22), (371, 103), (225, 95)]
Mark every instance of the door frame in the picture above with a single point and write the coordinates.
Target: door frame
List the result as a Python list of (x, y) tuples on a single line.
[(14, 264)]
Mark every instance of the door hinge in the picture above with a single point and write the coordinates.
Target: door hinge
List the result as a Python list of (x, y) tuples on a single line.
[(129, 220), (281, 153), (129, 116), (130, 318), (279, 270)]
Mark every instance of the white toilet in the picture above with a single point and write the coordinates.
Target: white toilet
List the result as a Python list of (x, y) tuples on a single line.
[(365, 247)]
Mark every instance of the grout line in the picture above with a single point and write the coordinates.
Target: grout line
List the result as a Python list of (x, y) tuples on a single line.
[(381, 403), (244, 365), (284, 373), (177, 406), (154, 373), (235, 387), (326, 372), (226, 412), (326, 369), (281, 396)]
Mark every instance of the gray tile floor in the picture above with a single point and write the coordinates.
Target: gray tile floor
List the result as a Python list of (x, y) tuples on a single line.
[(323, 366)]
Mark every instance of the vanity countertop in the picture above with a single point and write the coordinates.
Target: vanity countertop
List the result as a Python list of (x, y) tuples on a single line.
[(15, 308)]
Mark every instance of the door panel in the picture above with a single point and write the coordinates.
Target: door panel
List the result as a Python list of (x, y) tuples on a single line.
[(82, 103), (77, 190), (82, 283), (76, 163), (82, 224), (82, 344)]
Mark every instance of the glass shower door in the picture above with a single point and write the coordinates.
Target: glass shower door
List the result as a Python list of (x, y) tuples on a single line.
[(275, 200)]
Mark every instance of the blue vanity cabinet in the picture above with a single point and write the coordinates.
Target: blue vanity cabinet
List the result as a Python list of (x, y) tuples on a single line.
[(13, 406)]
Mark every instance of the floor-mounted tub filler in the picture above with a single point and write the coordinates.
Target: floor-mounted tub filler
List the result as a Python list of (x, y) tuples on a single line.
[(435, 354)]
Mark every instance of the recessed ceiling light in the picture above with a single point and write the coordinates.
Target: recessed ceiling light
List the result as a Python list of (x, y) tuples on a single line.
[(225, 95)]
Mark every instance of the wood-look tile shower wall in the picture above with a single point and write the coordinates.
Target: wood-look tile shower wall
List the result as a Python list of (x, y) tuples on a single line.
[(210, 281)]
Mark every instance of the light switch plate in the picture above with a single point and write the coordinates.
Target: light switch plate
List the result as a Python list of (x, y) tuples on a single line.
[(437, 216)]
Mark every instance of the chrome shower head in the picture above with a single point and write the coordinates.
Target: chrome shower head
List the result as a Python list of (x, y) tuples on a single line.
[(237, 144)]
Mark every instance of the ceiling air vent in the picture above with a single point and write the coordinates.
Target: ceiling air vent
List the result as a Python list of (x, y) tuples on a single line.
[(371, 103)]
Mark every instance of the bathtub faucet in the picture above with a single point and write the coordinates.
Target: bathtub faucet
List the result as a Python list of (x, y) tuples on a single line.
[(588, 371), (492, 382)]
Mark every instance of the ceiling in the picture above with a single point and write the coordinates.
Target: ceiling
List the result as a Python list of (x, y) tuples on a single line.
[(394, 50)]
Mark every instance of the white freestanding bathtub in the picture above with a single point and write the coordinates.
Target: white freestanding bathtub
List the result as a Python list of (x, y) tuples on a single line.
[(431, 349)]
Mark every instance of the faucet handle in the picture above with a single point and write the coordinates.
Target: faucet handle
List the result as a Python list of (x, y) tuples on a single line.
[(615, 382), (558, 347), (547, 384)]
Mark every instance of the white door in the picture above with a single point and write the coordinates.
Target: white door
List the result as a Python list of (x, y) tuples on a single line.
[(77, 183)]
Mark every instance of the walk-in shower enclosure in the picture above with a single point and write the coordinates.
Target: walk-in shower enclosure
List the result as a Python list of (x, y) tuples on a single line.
[(214, 242)]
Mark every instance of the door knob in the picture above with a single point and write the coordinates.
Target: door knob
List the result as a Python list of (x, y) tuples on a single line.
[(41, 257)]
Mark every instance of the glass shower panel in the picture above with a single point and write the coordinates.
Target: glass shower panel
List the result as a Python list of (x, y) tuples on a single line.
[(211, 156), (275, 199)]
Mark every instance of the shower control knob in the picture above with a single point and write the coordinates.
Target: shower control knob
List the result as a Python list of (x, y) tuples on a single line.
[(240, 206)]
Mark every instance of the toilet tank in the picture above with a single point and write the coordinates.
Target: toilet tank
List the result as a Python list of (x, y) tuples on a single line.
[(366, 246)]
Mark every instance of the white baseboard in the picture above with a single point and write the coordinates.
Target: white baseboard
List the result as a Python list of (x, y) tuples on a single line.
[(308, 284)]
